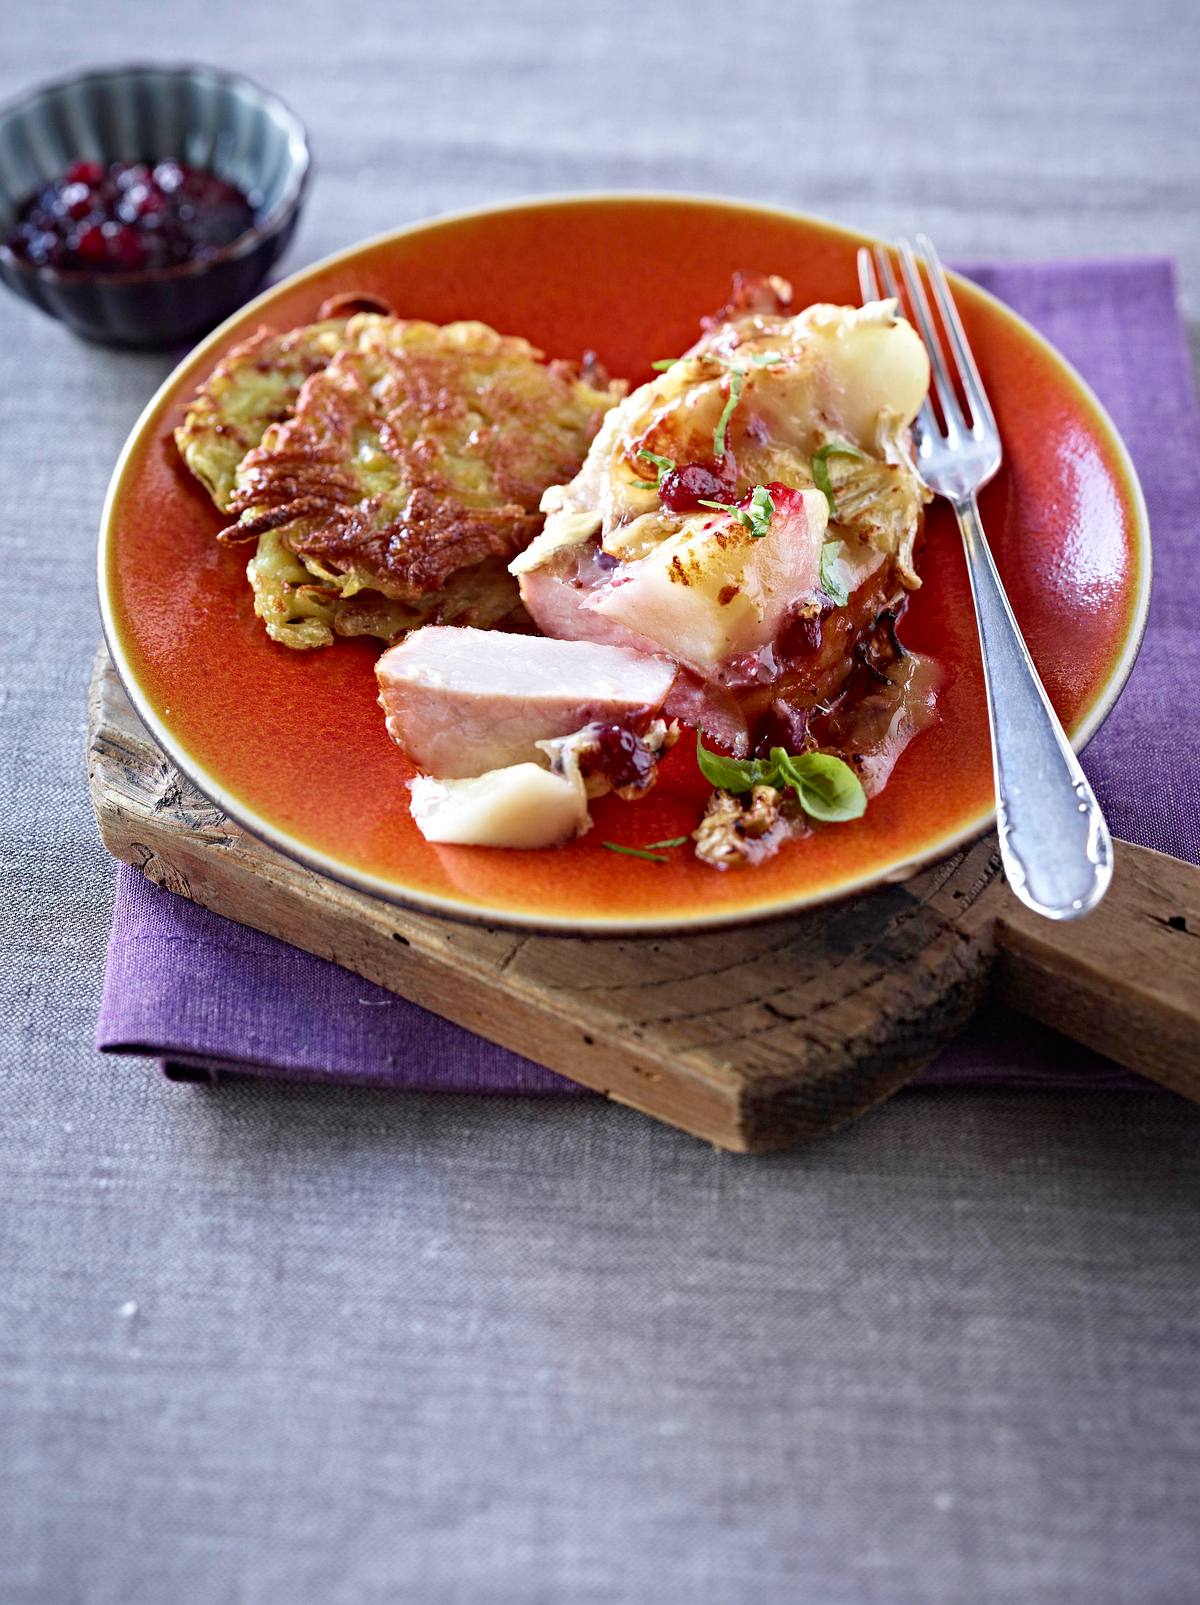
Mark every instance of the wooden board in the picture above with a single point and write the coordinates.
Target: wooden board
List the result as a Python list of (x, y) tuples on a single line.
[(751, 1038)]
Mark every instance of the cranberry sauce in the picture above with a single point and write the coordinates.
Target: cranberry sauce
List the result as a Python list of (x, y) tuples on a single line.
[(685, 487), (619, 754), (129, 216)]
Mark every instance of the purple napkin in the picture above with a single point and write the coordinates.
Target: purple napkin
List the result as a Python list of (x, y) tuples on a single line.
[(206, 995)]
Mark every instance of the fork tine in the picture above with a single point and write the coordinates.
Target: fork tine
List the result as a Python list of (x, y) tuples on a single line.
[(981, 409), (887, 275), (943, 383), (868, 284), (926, 418)]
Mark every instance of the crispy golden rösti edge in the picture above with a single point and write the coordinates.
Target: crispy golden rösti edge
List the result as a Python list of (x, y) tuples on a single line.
[(419, 451), (303, 607), (254, 386)]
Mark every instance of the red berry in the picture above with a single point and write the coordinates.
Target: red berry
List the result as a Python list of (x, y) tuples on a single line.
[(76, 200), (617, 753), (128, 216), (126, 250), (91, 246), (90, 173), (685, 487)]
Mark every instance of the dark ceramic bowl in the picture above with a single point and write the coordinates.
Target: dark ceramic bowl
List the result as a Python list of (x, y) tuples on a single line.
[(199, 115)]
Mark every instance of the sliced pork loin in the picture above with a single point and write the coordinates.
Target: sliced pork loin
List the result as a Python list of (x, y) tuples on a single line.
[(462, 702)]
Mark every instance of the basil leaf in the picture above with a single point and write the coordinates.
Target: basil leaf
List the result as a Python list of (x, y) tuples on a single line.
[(828, 789), (663, 464), (757, 517), (830, 582), (735, 389), (731, 774), (820, 467)]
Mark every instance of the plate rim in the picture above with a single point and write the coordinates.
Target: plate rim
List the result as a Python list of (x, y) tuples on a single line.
[(616, 926)]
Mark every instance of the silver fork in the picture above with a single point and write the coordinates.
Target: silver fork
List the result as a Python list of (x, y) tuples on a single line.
[(1054, 842)]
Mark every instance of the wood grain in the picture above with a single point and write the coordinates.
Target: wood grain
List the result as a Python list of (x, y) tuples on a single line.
[(1125, 980), (752, 1038)]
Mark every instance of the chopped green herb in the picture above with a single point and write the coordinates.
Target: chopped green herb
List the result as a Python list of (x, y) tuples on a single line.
[(760, 512), (636, 852), (757, 359), (735, 389), (644, 484), (820, 467), (827, 788), (756, 518), (663, 464), (831, 583), (646, 851)]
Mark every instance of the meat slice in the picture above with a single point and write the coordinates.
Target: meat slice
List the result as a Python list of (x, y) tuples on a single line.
[(462, 702), (714, 595)]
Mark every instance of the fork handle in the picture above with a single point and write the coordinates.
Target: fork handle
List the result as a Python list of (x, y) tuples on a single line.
[(1054, 842)]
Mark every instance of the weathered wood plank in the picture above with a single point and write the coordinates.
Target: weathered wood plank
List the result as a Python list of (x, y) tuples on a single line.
[(1126, 980), (751, 1038)]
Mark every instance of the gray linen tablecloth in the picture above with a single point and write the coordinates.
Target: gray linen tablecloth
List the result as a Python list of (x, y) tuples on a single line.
[(281, 1344)]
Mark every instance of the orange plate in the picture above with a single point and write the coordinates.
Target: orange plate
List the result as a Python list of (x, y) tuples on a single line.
[(292, 744)]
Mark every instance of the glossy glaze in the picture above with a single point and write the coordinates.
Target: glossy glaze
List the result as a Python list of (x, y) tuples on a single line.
[(294, 744)]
